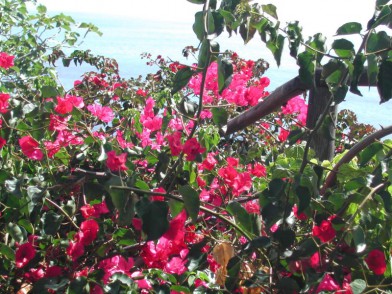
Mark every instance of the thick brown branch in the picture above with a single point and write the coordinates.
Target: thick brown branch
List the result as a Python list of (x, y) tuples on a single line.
[(331, 178)]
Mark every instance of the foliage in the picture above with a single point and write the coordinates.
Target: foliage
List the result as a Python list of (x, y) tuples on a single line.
[(128, 186)]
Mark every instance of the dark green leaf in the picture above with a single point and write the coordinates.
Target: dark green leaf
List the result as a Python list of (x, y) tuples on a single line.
[(49, 92), (180, 289), (377, 42), (372, 69), (162, 165), (257, 243), (384, 81), (343, 48), (7, 252), (306, 62), (244, 219), (304, 197), (270, 9), (359, 61), (225, 71), (198, 25), (51, 222), (381, 2), (233, 269), (204, 54), (219, 116), (294, 33), (383, 18), (181, 79), (154, 217), (44, 284), (276, 47), (247, 31), (218, 24), (358, 286), (318, 43), (191, 201), (77, 286), (288, 286), (349, 28), (197, 1), (359, 239), (285, 236), (16, 232), (371, 150)]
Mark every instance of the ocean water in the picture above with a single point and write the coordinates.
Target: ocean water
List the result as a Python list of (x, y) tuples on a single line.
[(126, 39)]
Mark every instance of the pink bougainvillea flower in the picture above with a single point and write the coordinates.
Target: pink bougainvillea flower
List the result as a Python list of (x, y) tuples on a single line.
[(192, 148), (94, 210), (104, 113), (328, 284), (24, 254), (325, 232), (65, 105), (116, 162), (258, 170), (115, 264), (209, 163), (175, 143), (297, 106), (75, 250), (176, 265), (158, 197), (30, 148), (375, 261), (283, 135), (89, 230), (301, 216), (141, 283), (2, 142), (4, 97), (58, 123), (171, 244), (6, 60)]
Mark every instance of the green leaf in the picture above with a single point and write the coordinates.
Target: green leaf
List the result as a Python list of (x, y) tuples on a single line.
[(191, 201), (366, 155), (154, 217), (383, 18), (197, 1), (384, 81), (198, 25), (245, 220), (7, 252), (121, 199), (288, 285), (175, 207), (233, 268), (378, 42), (257, 243), (304, 197), (372, 69), (349, 28), (49, 92), (359, 239), (270, 9), (306, 62), (358, 286), (359, 61), (181, 79), (225, 72), (276, 47), (343, 48), (381, 2), (285, 236), (44, 284), (142, 185), (204, 55), (247, 31), (51, 222), (77, 286), (219, 116), (294, 33), (16, 232)]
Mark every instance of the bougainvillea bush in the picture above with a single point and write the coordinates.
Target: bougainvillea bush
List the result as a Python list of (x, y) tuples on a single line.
[(132, 186)]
